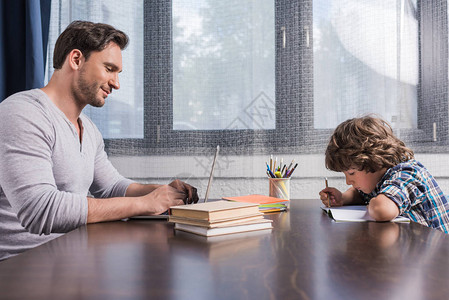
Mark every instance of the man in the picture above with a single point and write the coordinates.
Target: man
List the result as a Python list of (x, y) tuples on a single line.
[(54, 173)]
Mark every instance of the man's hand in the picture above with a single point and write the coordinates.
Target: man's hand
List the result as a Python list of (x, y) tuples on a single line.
[(161, 199), (191, 194)]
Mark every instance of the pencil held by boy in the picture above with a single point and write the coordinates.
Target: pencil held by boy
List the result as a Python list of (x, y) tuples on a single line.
[(383, 174)]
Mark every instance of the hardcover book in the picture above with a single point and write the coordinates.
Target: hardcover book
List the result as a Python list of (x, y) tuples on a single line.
[(215, 211)]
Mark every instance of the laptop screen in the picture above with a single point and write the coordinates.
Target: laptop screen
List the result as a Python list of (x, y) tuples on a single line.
[(211, 176)]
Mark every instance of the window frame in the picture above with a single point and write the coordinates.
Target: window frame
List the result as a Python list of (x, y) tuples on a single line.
[(433, 82), (293, 89)]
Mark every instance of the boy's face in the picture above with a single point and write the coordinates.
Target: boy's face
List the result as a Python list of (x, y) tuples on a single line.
[(362, 180)]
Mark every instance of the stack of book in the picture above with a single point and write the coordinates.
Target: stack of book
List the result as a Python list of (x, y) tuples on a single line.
[(218, 218), (266, 204)]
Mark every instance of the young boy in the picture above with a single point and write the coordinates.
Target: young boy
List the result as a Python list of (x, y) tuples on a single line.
[(384, 174)]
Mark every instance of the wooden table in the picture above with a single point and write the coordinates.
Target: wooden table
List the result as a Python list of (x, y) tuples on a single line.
[(305, 256)]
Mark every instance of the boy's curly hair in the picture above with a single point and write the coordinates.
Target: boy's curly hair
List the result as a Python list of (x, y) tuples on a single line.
[(365, 143)]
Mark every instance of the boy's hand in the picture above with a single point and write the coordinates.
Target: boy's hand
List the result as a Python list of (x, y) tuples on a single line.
[(331, 196)]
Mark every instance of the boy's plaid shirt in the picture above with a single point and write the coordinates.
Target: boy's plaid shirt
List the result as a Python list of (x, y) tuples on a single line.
[(417, 194)]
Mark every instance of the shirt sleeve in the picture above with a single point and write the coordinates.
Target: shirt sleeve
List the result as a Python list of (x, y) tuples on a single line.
[(403, 189), (26, 176)]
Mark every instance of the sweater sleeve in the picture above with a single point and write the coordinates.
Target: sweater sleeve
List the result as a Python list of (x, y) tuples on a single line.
[(26, 175), (107, 181)]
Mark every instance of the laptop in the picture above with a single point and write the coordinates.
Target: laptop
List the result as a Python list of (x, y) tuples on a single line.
[(206, 196)]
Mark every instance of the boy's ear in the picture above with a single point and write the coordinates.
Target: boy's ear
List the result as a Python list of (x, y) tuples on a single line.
[(75, 59)]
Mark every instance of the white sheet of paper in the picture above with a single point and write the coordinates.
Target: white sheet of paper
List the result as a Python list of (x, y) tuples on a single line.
[(354, 213)]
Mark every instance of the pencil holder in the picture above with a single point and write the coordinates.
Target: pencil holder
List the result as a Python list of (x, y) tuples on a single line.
[(279, 188)]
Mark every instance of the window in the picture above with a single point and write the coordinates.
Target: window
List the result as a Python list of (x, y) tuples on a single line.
[(366, 60), (278, 127), (314, 68), (382, 57), (223, 65)]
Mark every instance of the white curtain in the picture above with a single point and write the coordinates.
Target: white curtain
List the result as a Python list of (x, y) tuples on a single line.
[(365, 61), (223, 64)]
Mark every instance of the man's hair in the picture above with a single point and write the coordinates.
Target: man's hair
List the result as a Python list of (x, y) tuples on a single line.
[(86, 37), (365, 143)]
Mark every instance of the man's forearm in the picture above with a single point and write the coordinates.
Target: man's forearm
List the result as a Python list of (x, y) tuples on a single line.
[(140, 199), (111, 209)]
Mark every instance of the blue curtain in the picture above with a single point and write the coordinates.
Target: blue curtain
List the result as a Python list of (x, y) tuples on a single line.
[(23, 44)]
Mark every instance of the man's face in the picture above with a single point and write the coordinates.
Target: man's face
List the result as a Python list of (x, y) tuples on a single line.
[(99, 75), (362, 180)]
